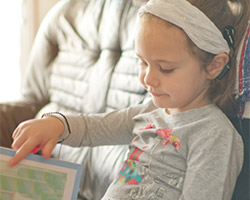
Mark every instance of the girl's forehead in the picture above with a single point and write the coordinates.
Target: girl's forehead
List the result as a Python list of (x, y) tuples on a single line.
[(149, 23), (158, 39), (149, 19), (151, 26)]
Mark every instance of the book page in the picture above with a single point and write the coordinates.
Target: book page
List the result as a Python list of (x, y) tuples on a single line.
[(37, 178)]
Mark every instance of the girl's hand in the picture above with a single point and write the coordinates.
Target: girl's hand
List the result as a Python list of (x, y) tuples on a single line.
[(43, 133)]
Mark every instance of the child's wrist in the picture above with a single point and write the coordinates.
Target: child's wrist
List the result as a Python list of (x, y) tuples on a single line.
[(59, 125), (63, 125)]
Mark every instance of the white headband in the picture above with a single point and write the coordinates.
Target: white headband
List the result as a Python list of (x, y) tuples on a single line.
[(200, 29)]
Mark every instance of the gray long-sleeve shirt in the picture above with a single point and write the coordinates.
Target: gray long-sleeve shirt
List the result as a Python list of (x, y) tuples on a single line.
[(193, 155)]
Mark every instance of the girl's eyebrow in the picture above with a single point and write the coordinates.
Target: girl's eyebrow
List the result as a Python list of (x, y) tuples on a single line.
[(162, 61), (165, 61), (158, 60)]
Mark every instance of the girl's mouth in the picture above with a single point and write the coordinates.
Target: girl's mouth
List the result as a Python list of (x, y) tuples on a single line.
[(156, 94)]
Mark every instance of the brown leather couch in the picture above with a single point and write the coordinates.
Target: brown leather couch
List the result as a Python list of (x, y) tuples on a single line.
[(82, 61)]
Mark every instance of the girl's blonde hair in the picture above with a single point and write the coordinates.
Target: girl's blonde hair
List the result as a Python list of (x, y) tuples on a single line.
[(223, 13)]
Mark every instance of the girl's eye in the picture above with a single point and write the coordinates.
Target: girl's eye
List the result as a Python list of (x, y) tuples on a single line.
[(167, 71)]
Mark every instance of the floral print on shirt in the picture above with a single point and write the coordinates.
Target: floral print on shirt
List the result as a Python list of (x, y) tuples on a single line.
[(129, 173)]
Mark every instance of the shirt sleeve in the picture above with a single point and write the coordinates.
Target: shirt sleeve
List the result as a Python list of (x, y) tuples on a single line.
[(213, 165), (101, 129)]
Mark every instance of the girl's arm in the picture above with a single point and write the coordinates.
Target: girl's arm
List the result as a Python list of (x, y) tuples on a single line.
[(75, 130), (112, 128), (213, 165)]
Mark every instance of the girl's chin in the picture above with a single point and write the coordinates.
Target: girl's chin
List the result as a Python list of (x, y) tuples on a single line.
[(159, 103)]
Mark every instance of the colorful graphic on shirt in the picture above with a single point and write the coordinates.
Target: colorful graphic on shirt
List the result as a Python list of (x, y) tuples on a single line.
[(135, 154), (148, 127), (129, 174), (169, 138)]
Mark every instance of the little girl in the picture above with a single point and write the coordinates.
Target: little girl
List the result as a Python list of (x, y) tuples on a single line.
[(182, 146)]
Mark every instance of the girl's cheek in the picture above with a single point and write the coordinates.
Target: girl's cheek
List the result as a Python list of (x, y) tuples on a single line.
[(141, 77)]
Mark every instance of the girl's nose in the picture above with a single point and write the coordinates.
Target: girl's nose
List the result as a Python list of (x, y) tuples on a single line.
[(151, 78)]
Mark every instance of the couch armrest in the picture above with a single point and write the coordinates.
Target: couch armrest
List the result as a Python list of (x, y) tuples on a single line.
[(11, 114)]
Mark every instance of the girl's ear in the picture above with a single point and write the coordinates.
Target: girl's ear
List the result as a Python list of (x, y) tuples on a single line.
[(217, 65)]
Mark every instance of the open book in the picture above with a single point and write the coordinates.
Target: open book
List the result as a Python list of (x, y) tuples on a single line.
[(38, 178)]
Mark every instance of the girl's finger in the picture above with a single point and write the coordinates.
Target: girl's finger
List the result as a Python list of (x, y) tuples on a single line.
[(18, 141), (48, 148), (16, 132), (22, 152)]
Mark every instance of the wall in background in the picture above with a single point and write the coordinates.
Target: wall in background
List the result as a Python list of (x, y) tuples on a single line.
[(33, 14), (19, 21), (10, 19)]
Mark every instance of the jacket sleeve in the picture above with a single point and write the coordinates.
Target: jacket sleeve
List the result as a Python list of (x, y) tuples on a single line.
[(213, 165)]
